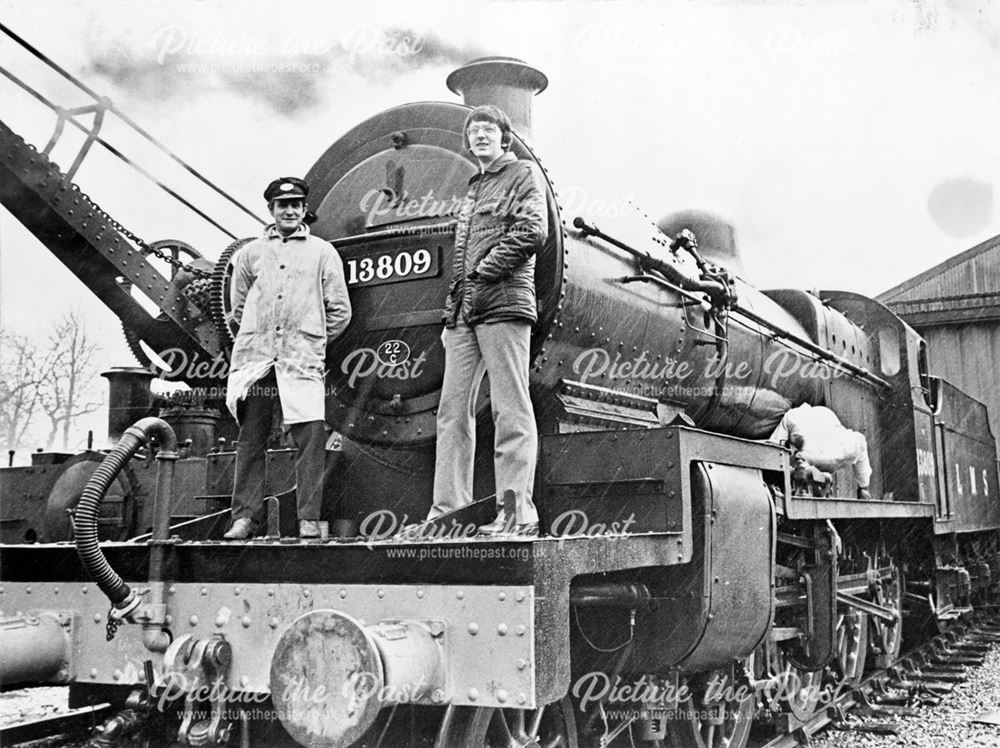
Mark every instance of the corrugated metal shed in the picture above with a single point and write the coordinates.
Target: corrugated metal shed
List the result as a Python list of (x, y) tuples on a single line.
[(955, 306), (964, 288)]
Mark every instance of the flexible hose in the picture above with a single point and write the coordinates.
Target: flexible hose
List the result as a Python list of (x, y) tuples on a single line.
[(85, 517)]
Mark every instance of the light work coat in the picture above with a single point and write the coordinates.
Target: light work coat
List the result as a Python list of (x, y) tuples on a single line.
[(289, 299)]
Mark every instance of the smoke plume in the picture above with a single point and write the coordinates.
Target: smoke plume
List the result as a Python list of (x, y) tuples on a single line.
[(288, 74)]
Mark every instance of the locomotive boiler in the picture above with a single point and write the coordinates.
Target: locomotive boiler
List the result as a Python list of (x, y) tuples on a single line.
[(678, 576)]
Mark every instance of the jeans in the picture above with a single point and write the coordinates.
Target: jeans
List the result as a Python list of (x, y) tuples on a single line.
[(500, 349), (256, 416)]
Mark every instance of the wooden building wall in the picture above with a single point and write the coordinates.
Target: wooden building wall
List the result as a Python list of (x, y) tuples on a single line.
[(968, 356), (955, 306)]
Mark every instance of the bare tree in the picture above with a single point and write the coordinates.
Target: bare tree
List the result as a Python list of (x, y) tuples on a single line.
[(71, 368), (22, 375), (51, 378)]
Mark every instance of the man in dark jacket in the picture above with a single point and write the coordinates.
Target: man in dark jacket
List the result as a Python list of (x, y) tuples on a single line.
[(488, 318)]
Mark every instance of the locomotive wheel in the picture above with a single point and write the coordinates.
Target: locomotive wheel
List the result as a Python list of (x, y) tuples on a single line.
[(887, 638), (723, 722), (852, 644), (552, 726), (787, 688)]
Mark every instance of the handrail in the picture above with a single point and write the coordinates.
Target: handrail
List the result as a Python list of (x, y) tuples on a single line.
[(685, 286), (103, 104)]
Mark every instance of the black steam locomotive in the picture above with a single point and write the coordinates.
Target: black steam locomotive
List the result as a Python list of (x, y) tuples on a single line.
[(690, 587)]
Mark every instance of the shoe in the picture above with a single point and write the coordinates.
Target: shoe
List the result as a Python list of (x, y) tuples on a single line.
[(864, 495), (499, 527), (502, 525), (241, 530), (308, 528)]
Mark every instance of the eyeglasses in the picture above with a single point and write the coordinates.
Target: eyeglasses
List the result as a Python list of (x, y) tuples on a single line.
[(486, 129)]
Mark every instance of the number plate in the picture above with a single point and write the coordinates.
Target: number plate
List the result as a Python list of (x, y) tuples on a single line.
[(392, 266)]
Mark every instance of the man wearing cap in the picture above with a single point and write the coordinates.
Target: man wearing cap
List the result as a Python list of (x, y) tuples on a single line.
[(289, 300)]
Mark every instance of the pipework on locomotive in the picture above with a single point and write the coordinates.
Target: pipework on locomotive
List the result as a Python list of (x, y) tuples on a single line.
[(677, 573)]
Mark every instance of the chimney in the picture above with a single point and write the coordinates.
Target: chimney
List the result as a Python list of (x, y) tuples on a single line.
[(505, 82), (129, 398)]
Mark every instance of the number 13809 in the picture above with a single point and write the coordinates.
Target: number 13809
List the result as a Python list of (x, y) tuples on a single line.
[(391, 267)]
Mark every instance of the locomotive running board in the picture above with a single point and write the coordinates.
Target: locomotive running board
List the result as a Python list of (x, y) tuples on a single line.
[(809, 508), (649, 489)]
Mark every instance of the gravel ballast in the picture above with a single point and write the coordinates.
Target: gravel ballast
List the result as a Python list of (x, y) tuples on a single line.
[(947, 725)]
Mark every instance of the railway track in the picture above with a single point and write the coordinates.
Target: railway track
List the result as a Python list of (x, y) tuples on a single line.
[(61, 729), (921, 677)]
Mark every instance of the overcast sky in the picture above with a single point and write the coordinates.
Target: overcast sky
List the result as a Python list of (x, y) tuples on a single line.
[(853, 144)]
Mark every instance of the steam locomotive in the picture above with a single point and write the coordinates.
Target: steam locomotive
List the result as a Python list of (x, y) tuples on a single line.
[(688, 588)]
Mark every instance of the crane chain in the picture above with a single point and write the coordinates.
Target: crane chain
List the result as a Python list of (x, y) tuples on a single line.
[(146, 247)]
